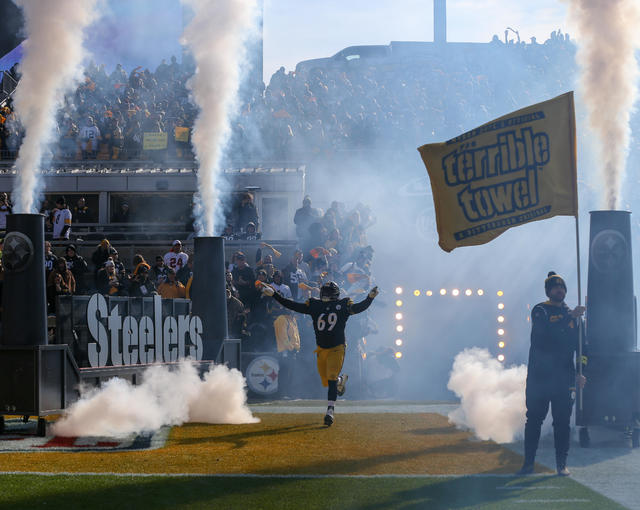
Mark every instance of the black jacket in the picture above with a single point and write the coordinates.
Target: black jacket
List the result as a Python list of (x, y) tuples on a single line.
[(554, 341)]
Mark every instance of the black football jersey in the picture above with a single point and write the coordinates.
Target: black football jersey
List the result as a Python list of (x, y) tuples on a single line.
[(329, 317), (329, 320)]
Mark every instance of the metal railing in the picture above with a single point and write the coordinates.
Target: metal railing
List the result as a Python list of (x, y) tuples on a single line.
[(8, 86)]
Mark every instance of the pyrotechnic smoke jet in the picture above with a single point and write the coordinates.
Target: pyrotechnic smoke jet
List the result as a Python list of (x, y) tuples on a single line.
[(216, 38), (492, 397), (164, 398), (54, 52), (607, 39)]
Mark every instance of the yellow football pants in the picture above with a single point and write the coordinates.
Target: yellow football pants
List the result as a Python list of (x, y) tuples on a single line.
[(330, 363)]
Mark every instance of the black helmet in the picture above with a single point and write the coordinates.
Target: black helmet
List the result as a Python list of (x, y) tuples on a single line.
[(330, 290)]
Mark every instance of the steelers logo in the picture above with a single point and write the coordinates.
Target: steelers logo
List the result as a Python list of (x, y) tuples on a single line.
[(17, 253), (262, 375), (609, 251)]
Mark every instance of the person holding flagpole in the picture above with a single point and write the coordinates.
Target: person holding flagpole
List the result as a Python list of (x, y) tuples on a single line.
[(551, 373)]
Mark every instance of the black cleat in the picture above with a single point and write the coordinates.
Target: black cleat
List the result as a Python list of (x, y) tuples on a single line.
[(526, 469), (342, 384), (328, 420)]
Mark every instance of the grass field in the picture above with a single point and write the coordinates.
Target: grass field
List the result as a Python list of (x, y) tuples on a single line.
[(283, 493), (290, 461)]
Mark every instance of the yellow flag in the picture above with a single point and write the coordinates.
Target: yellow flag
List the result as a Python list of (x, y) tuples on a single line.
[(510, 171), (181, 134)]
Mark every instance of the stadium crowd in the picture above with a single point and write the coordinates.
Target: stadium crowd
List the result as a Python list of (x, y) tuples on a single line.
[(377, 105), (332, 246)]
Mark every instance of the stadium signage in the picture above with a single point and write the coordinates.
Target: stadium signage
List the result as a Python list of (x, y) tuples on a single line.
[(129, 340)]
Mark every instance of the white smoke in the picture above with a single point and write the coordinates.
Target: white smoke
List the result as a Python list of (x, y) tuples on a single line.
[(53, 54), (164, 398), (608, 37), (492, 398), (216, 38)]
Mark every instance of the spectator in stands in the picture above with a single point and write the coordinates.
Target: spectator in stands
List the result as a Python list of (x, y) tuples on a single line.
[(228, 234), (244, 279), (101, 254), (259, 320), (49, 259), (78, 267), (304, 217), (176, 258), (122, 215), (5, 210), (159, 271), (47, 212), (89, 138), (171, 288), (280, 287), (236, 316), (247, 213), (230, 286), (81, 213), (185, 272), (337, 209), (142, 285), (61, 220), (293, 274), (266, 264), (69, 139), (133, 140), (250, 233), (138, 262), (121, 271), (107, 281), (59, 283)]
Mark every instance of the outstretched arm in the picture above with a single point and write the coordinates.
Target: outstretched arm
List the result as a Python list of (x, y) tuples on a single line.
[(365, 303), (287, 303)]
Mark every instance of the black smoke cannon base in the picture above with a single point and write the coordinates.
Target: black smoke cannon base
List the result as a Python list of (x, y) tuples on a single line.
[(611, 396), (36, 379)]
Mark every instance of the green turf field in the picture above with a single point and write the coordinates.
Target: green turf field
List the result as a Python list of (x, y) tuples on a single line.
[(25, 491)]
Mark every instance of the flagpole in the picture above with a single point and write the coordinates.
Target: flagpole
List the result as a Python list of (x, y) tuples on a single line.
[(579, 304)]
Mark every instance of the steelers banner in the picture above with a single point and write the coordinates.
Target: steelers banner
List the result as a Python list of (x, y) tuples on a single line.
[(510, 171)]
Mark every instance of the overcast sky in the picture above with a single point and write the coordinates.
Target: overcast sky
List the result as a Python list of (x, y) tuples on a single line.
[(296, 30)]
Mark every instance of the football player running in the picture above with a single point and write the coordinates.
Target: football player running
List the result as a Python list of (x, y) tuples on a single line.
[(329, 314)]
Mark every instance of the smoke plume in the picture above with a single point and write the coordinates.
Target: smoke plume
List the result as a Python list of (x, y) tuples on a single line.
[(164, 398), (54, 52), (492, 401), (608, 38), (216, 38)]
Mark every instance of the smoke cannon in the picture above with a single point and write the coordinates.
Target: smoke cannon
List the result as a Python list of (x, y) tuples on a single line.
[(611, 396), (36, 379)]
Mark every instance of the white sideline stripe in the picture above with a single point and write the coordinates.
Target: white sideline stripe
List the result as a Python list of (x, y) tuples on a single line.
[(247, 475), (568, 500), (524, 487)]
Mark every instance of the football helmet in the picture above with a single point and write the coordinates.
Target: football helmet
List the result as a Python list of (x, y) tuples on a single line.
[(329, 291)]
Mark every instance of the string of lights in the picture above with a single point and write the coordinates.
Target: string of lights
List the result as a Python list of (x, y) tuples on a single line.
[(455, 292)]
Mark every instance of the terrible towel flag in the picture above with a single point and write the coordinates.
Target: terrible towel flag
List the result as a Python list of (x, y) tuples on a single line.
[(508, 172)]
